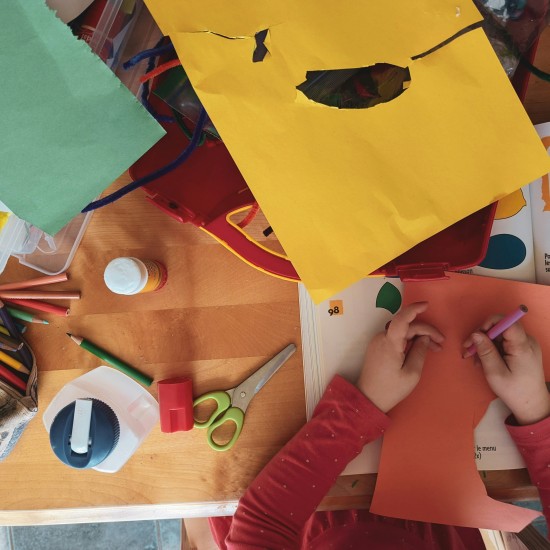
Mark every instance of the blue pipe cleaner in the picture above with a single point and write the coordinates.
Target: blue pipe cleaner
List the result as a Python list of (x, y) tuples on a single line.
[(180, 159)]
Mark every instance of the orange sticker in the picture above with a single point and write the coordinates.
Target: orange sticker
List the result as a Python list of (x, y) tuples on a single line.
[(336, 307)]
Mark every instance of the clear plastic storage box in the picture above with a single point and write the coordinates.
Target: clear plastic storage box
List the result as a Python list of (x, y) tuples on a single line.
[(34, 248)]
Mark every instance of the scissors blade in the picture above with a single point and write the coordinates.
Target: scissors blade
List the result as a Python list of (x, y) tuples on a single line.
[(245, 391)]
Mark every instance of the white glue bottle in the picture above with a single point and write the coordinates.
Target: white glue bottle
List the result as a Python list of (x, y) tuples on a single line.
[(132, 276)]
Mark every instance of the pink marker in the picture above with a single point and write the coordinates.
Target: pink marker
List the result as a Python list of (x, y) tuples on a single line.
[(500, 327)]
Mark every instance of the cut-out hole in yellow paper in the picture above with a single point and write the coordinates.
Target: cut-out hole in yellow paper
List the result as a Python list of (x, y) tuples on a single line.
[(260, 51), (359, 88)]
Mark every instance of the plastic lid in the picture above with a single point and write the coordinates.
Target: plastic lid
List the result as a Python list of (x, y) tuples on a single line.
[(125, 276), (83, 436)]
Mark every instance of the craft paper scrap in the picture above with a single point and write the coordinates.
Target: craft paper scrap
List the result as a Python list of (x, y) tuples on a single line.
[(69, 127), (347, 190), (432, 430)]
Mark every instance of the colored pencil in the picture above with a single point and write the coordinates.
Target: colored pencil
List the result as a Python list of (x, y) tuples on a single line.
[(504, 324), (117, 363), (39, 281), (9, 323), (10, 343), (25, 316), (12, 379), (38, 295), (20, 328), (9, 347), (13, 363), (41, 306)]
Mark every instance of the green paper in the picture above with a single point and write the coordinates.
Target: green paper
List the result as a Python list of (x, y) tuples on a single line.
[(69, 126)]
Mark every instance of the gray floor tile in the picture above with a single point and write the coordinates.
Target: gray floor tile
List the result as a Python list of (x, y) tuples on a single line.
[(5, 538), (170, 534), (128, 535)]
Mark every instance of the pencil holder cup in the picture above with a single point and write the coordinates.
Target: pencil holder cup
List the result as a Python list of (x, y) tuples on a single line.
[(99, 420)]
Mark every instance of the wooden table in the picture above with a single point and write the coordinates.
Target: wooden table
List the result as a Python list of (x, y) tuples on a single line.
[(217, 320)]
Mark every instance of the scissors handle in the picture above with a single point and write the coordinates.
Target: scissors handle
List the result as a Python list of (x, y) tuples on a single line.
[(223, 402), (233, 414)]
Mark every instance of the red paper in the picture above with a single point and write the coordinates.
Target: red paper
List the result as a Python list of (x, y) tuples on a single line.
[(427, 468)]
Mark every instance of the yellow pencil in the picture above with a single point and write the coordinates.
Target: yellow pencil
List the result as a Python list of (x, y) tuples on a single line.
[(14, 363)]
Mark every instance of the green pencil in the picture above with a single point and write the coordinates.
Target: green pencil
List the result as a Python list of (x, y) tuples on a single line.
[(117, 363), (25, 316)]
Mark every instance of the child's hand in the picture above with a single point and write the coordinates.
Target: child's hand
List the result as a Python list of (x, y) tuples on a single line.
[(394, 359), (515, 373)]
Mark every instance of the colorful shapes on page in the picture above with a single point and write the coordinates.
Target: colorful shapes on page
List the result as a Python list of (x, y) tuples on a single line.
[(504, 252), (510, 205), (389, 298)]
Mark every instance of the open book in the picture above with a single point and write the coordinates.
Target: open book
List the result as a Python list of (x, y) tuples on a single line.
[(519, 247), (336, 332), (335, 335)]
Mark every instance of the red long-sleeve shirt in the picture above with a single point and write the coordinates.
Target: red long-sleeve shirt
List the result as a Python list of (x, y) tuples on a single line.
[(277, 510)]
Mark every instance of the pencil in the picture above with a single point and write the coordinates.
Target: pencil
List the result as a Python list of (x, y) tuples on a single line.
[(38, 295), (12, 379), (25, 316), (9, 323), (504, 324), (39, 281), (106, 356), (10, 343), (41, 306), (13, 363), (20, 328)]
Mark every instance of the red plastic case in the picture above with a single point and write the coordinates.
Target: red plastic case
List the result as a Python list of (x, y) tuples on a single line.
[(209, 187)]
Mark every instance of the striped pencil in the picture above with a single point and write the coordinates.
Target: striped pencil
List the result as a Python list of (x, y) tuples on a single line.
[(42, 306), (12, 379), (13, 363), (112, 360), (25, 316), (39, 295), (39, 281), (24, 352), (9, 343)]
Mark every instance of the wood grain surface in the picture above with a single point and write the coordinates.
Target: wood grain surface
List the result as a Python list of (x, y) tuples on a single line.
[(216, 320)]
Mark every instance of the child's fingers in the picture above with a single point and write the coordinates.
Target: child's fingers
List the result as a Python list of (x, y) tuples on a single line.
[(399, 327), (515, 340), (490, 322), (488, 355), (417, 328), (434, 346), (487, 324), (416, 356)]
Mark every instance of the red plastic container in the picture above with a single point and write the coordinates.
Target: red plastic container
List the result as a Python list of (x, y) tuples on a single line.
[(208, 188), (205, 191)]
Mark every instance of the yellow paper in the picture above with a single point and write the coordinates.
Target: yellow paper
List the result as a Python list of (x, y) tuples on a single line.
[(348, 190)]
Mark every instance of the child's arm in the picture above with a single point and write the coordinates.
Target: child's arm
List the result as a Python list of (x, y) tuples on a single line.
[(279, 501), (516, 375)]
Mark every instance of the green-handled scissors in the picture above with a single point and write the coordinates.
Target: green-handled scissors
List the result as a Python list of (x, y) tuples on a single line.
[(232, 404)]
